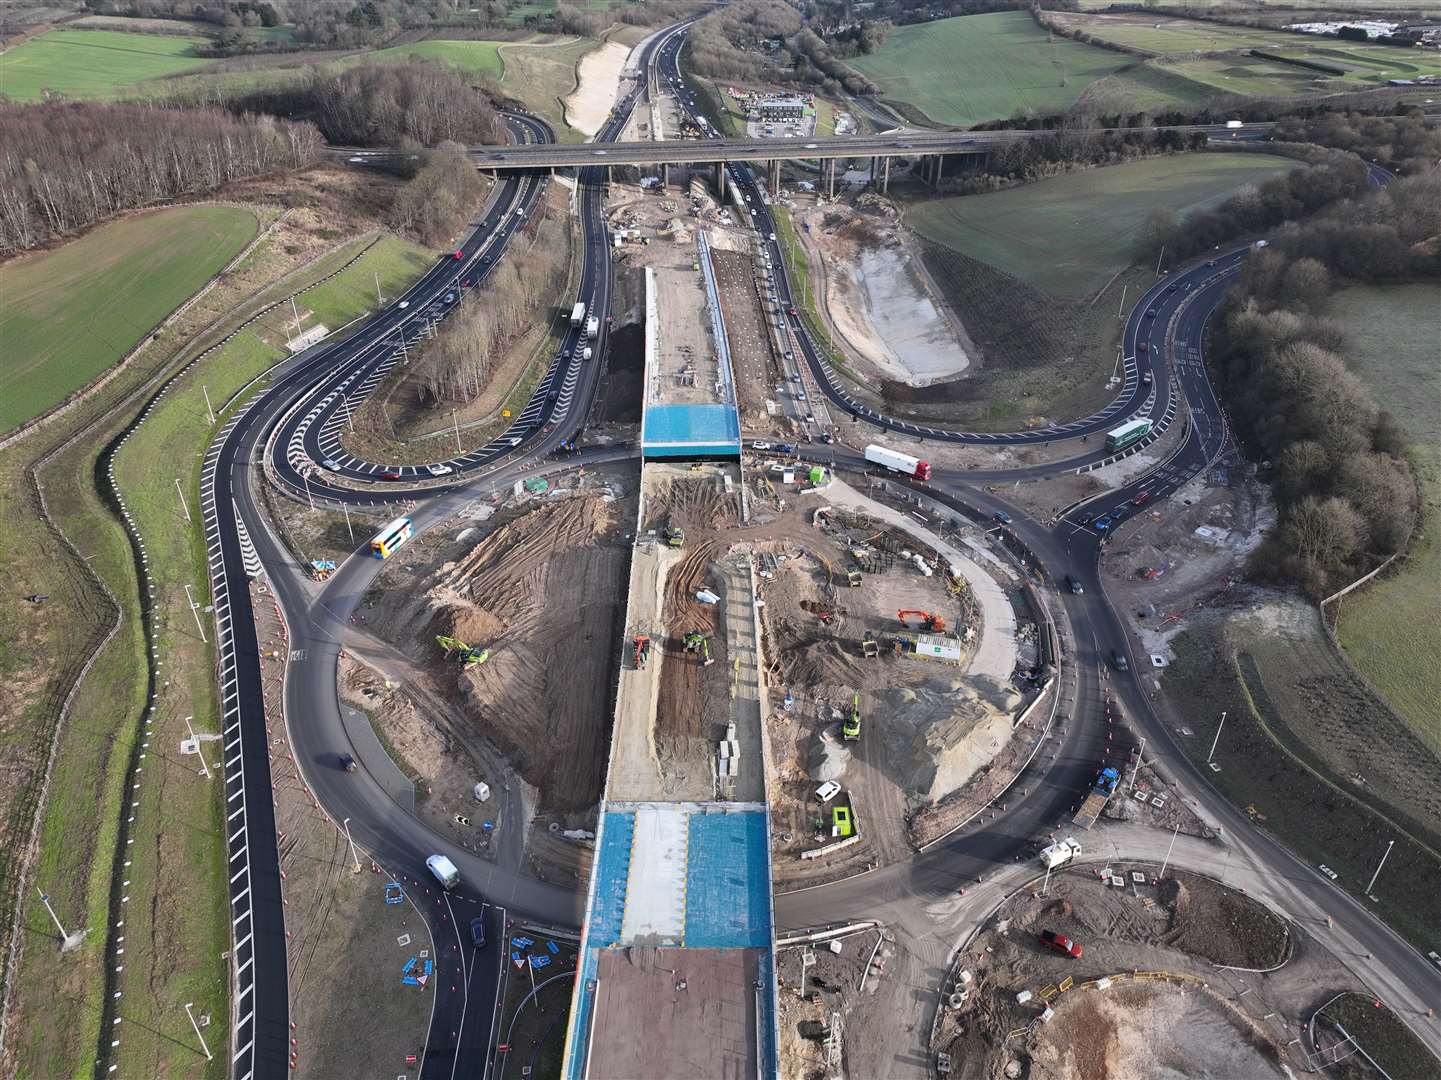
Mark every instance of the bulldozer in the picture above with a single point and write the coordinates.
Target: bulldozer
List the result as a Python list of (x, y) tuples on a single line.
[(869, 645), (922, 620), (456, 649), (851, 727), (674, 536), (696, 642)]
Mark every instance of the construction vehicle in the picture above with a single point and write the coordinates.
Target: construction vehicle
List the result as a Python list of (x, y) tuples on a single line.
[(456, 649), (642, 651), (1060, 853), (851, 728), (922, 620), (321, 569), (853, 578), (869, 645), (1101, 792), (698, 643), (674, 536)]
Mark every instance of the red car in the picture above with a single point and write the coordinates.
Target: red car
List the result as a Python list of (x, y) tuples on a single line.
[(390, 474), (1143, 347), (458, 255), (1140, 500), (793, 312), (1061, 944)]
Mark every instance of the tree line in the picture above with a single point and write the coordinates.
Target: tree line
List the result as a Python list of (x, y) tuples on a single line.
[(441, 198), (65, 165), (1346, 493), (1061, 151), (767, 41), (416, 103)]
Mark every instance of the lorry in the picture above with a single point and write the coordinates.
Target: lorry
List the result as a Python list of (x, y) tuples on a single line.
[(592, 327), (1060, 853), (898, 462), (444, 870), (1234, 124), (577, 314), (1101, 792)]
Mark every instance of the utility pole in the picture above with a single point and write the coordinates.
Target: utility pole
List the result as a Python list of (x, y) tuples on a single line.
[(456, 424), (183, 504), (354, 855), (345, 509), (1136, 771), (1167, 861), (1216, 739), (198, 749), (296, 312), (194, 610), (345, 399), (209, 412), (1121, 311), (1159, 257), (68, 941), (1389, 845), (380, 300), (208, 1055), (305, 479)]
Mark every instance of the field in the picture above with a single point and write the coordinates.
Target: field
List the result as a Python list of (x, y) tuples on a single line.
[(92, 63), (541, 75), (1390, 630), (475, 57), (964, 70), (1166, 35), (69, 314), (1046, 233)]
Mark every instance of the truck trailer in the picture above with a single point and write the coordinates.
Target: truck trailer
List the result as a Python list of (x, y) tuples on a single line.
[(897, 462), (577, 314), (1101, 792)]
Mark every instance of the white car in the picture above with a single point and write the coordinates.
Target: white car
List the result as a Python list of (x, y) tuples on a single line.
[(439, 470), (760, 446), (332, 464), (404, 304), (828, 791)]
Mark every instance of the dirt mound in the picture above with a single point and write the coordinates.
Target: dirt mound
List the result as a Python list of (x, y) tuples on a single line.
[(466, 622), (957, 728)]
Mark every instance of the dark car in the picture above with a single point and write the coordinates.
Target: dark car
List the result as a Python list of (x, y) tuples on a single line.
[(1118, 659), (1143, 347), (1140, 499), (347, 763), (477, 931), (1172, 287), (1150, 313), (1061, 944), (1102, 524), (1002, 518), (1087, 518), (1074, 584)]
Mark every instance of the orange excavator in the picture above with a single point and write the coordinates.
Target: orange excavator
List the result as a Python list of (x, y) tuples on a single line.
[(922, 620), (642, 651)]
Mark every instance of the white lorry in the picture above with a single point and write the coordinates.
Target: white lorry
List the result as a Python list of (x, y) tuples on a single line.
[(898, 462), (577, 315), (592, 327), (1060, 853)]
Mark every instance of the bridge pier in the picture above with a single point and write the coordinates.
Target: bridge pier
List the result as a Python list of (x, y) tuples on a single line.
[(665, 176), (875, 168), (830, 178), (720, 182), (775, 177), (886, 176)]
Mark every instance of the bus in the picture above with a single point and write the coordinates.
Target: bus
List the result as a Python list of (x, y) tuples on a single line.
[(391, 537), (1127, 433)]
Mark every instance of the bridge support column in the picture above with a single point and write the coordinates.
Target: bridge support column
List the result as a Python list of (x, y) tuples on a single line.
[(875, 167), (775, 170), (886, 177), (720, 182), (831, 178), (664, 176), (940, 169)]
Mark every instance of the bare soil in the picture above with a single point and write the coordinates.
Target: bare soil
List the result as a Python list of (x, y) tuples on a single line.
[(598, 75), (758, 371)]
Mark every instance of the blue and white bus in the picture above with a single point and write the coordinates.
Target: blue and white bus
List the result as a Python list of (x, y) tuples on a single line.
[(390, 537)]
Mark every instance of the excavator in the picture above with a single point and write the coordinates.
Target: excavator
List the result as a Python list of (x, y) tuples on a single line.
[(851, 727), (456, 649), (922, 620), (674, 535), (642, 651), (697, 642)]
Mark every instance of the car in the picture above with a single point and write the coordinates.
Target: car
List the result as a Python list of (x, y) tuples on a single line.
[(450, 298), (331, 463), (1101, 524), (390, 474), (760, 445), (458, 255), (1119, 661), (1143, 347), (553, 396), (1140, 499), (1001, 517), (1087, 517), (1061, 943), (1150, 313), (773, 236), (599, 153), (1074, 584), (794, 377), (347, 763), (810, 146), (439, 470), (810, 418), (1172, 287), (477, 931), (404, 304), (1211, 262), (791, 311), (828, 791), (1146, 378), (800, 395)]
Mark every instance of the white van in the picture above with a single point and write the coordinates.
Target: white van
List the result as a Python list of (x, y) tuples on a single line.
[(444, 870)]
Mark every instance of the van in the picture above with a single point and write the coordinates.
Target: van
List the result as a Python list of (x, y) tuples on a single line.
[(444, 870), (828, 791)]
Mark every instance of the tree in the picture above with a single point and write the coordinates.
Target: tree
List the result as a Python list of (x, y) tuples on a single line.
[(1324, 534)]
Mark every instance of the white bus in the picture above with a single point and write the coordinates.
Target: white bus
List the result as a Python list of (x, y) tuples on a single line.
[(390, 537)]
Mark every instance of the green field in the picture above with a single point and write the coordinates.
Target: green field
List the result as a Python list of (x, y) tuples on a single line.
[(67, 315), (972, 68), (541, 75), (1169, 36), (92, 63), (475, 57), (1390, 630), (1069, 234)]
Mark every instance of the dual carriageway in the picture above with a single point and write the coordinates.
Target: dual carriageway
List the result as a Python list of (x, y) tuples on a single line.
[(291, 431)]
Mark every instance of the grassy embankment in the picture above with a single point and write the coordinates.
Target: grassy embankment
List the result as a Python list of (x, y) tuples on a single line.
[(803, 289), (100, 64), (176, 912), (67, 315), (1390, 630)]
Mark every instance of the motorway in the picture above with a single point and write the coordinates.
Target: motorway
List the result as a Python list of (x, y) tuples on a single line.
[(292, 430)]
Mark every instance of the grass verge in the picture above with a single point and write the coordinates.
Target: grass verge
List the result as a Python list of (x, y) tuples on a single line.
[(1383, 1036), (802, 288), (540, 76), (68, 314), (1389, 629), (93, 63)]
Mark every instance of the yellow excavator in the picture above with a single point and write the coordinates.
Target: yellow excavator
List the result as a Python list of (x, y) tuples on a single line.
[(455, 649), (696, 642)]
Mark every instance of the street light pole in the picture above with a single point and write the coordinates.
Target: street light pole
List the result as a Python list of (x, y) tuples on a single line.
[(183, 504), (354, 855), (198, 749), (346, 511), (208, 1055), (1216, 739), (209, 412), (195, 612), (68, 941), (1389, 845), (1167, 861), (1136, 771)]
